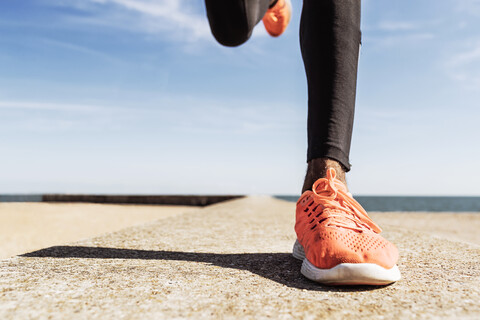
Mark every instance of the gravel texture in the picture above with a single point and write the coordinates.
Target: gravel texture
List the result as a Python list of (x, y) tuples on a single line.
[(230, 260)]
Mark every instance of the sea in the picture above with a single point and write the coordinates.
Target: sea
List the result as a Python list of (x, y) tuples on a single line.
[(370, 203), (412, 203)]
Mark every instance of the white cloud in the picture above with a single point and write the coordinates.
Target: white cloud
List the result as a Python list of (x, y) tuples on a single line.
[(47, 106), (471, 7), (81, 49), (178, 114), (167, 15), (179, 20), (397, 25), (393, 33), (467, 57), (398, 40), (464, 67)]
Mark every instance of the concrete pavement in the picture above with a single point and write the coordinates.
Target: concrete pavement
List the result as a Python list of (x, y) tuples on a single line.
[(231, 260)]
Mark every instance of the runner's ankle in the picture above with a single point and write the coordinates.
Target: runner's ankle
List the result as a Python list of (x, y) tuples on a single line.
[(317, 168)]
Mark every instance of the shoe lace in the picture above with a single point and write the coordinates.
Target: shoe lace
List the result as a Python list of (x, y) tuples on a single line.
[(332, 194)]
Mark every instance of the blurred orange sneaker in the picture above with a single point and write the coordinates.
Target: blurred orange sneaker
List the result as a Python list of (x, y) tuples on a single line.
[(277, 17), (337, 240)]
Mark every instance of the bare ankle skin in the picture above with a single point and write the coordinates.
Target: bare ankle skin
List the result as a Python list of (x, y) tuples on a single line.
[(317, 168)]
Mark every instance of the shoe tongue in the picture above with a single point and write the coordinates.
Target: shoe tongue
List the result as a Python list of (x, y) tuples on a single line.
[(329, 185)]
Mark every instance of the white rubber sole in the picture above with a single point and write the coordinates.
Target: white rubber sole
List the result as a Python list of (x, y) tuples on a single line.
[(346, 273)]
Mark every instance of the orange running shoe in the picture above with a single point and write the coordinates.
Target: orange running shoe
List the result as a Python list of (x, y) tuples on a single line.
[(276, 18), (337, 240)]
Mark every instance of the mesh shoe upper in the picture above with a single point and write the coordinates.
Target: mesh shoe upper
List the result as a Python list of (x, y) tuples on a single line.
[(333, 228)]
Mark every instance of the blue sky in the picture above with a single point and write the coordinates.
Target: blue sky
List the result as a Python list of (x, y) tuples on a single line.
[(135, 96)]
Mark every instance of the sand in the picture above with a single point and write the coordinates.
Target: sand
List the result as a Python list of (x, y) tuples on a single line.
[(31, 226)]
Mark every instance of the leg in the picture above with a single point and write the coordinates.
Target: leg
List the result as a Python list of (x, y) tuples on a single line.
[(330, 38), (232, 21), (336, 239)]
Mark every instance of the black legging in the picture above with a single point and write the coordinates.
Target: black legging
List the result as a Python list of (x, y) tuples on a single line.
[(329, 39)]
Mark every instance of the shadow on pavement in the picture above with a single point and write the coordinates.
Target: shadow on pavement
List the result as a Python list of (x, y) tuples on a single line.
[(278, 267)]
